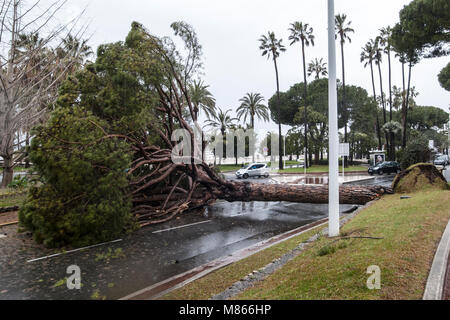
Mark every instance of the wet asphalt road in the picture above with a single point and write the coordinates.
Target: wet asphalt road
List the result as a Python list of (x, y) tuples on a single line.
[(156, 253)]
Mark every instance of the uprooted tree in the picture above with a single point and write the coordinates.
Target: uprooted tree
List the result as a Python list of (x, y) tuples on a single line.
[(105, 156)]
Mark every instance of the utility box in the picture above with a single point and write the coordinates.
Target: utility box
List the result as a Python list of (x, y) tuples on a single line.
[(377, 157)]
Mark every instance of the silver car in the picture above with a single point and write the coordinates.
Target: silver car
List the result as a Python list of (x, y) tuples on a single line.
[(253, 170)]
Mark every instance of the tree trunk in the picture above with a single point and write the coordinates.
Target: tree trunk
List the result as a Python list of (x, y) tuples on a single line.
[(8, 172), (246, 192), (280, 149), (392, 135), (375, 97), (344, 102), (383, 104), (405, 111), (305, 101)]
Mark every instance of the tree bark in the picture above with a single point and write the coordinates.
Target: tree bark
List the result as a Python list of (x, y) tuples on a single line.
[(280, 149), (375, 97), (246, 192), (307, 164)]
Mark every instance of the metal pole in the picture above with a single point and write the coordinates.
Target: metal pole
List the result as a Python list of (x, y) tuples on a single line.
[(333, 158)]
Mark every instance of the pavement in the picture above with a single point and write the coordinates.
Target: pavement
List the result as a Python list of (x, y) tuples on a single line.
[(446, 289), (153, 254)]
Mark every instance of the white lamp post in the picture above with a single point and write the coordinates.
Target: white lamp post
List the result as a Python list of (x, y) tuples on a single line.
[(333, 159)]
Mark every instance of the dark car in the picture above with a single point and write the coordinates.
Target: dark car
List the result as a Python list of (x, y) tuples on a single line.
[(385, 167)]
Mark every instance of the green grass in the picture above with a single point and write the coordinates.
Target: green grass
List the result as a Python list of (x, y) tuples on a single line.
[(323, 169), (12, 201), (410, 232), (329, 269)]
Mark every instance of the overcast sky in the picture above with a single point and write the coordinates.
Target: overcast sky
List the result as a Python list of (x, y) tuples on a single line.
[(229, 32)]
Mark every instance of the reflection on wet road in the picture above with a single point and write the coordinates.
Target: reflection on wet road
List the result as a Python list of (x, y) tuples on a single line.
[(156, 253)]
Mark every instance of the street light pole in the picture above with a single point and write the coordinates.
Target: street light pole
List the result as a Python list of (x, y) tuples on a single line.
[(333, 158)]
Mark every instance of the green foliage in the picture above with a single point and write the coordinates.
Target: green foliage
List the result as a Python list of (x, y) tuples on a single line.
[(416, 151), (444, 77), (423, 28), (426, 118), (83, 195), (19, 182)]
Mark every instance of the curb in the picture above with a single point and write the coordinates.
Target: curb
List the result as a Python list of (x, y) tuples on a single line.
[(436, 279)]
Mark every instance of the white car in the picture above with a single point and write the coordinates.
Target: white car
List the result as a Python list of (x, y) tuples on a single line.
[(253, 170)]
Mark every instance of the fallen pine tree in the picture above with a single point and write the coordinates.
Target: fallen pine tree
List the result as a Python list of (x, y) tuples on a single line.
[(105, 155)]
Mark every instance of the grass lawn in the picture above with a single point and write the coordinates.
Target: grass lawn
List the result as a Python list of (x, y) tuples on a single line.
[(323, 168), (328, 269), (12, 201), (411, 230)]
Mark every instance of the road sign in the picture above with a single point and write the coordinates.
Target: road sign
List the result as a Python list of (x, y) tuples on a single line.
[(344, 149)]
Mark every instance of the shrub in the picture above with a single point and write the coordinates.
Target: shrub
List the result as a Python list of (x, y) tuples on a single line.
[(417, 151)]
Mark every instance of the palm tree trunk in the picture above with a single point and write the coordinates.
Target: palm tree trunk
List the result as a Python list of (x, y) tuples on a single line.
[(280, 147), (252, 120), (344, 105), (392, 135), (383, 104), (375, 97), (305, 101), (405, 112)]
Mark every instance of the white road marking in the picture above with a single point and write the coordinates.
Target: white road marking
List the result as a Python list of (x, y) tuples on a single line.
[(72, 251), (185, 226)]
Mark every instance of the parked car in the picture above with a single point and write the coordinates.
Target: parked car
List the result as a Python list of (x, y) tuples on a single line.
[(253, 170), (442, 160), (385, 167)]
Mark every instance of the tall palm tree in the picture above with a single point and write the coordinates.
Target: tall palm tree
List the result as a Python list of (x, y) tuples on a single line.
[(202, 99), (378, 60), (368, 58), (343, 31), (302, 32), (318, 67), (385, 42), (77, 49), (272, 47), (252, 107)]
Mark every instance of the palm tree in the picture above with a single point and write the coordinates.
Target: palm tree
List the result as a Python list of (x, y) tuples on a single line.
[(368, 57), (343, 30), (272, 47), (202, 99), (385, 42), (392, 128), (318, 67), (378, 60), (77, 49), (303, 33), (222, 121), (252, 107)]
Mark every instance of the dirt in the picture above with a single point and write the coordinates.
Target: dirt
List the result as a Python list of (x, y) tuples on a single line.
[(419, 177)]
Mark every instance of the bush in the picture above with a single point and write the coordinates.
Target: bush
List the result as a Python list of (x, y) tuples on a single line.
[(416, 151), (82, 198), (19, 182)]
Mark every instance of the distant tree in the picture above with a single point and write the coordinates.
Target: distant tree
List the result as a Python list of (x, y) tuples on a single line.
[(444, 77), (368, 58), (385, 42), (303, 33), (378, 60), (424, 27), (252, 107), (202, 99), (318, 67), (272, 47), (343, 31)]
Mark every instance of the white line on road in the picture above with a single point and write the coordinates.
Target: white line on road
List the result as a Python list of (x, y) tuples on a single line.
[(71, 251), (185, 226)]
